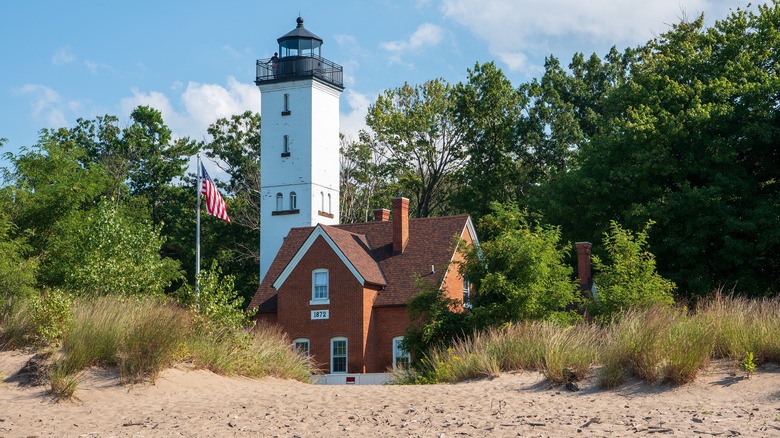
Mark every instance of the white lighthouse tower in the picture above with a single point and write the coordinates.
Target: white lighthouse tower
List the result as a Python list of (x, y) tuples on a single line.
[(299, 154)]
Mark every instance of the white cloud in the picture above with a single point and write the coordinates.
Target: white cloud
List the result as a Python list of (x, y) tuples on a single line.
[(63, 55), (351, 122), (48, 106), (94, 66), (426, 35), (516, 29), (200, 105)]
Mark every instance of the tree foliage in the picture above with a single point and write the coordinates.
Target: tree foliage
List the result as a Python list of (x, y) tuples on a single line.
[(417, 138), (628, 278), (520, 272), (487, 108), (689, 141), (108, 251), (434, 321)]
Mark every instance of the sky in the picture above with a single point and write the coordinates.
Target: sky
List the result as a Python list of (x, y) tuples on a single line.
[(195, 60)]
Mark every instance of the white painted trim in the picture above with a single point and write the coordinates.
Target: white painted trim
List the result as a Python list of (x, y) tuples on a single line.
[(346, 354), (303, 341), (474, 241), (317, 232)]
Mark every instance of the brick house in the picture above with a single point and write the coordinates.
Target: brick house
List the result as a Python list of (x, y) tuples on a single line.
[(340, 291)]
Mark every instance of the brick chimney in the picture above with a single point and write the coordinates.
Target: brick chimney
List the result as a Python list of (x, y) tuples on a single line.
[(400, 224), (381, 215), (583, 265)]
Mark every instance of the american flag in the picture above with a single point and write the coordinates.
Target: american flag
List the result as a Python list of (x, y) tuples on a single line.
[(215, 205)]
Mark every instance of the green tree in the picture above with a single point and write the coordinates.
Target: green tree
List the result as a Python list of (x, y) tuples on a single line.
[(434, 321), (520, 271), (417, 137), (235, 149), (628, 278), (689, 141), (109, 250), (487, 108), (18, 268), (365, 184)]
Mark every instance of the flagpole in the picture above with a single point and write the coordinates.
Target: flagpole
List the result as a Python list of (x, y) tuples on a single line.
[(197, 235)]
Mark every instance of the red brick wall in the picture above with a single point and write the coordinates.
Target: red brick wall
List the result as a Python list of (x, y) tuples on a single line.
[(452, 285), (392, 322), (348, 315)]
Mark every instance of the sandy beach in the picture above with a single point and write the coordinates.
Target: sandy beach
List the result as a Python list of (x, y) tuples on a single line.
[(199, 403)]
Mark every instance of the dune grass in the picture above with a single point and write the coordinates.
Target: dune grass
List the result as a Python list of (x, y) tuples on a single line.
[(143, 337), (659, 344)]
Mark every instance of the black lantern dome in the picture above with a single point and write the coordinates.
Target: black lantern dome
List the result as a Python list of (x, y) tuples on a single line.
[(300, 42), (299, 57)]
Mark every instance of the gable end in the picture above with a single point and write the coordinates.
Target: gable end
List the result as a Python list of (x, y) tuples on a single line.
[(317, 232)]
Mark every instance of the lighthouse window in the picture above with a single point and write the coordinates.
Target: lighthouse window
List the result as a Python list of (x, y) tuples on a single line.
[(279, 202), (286, 109), (286, 146), (293, 201), (329, 206)]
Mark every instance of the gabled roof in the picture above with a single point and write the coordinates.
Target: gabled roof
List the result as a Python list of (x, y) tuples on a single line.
[(368, 247), (353, 250)]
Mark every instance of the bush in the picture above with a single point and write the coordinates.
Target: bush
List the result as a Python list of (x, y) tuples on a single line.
[(109, 251), (36, 320), (215, 304), (520, 273), (629, 279)]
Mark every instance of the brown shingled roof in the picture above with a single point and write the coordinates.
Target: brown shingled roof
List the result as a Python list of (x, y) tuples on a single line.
[(370, 243), (358, 251)]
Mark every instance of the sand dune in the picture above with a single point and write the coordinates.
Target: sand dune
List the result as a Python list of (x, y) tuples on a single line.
[(200, 403)]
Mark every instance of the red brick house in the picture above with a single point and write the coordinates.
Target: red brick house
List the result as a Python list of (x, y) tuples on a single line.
[(340, 291)]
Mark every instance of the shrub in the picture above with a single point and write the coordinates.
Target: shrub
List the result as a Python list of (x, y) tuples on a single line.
[(36, 320), (216, 303), (521, 273), (107, 250), (628, 279)]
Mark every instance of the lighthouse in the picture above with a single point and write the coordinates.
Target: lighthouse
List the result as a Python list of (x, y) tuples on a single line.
[(299, 154)]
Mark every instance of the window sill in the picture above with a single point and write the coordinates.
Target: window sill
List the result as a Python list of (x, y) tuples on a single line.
[(319, 302), (285, 154), (327, 215), (285, 113), (284, 212)]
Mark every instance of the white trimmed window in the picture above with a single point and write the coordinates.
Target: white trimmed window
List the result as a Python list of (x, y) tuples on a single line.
[(401, 357), (466, 293), (286, 144), (329, 204), (319, 287), (322, 201), (279, 202), (338, 355), (286, 102), (293, 201), (301, 345)]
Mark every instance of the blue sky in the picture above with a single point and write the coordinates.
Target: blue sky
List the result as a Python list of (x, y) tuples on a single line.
[(195, 60)]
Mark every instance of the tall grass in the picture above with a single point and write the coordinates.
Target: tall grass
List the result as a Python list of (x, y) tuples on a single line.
[(265, 351), (561, 353), (140, 337), (743, 325), (17, 323), (655, 344)]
